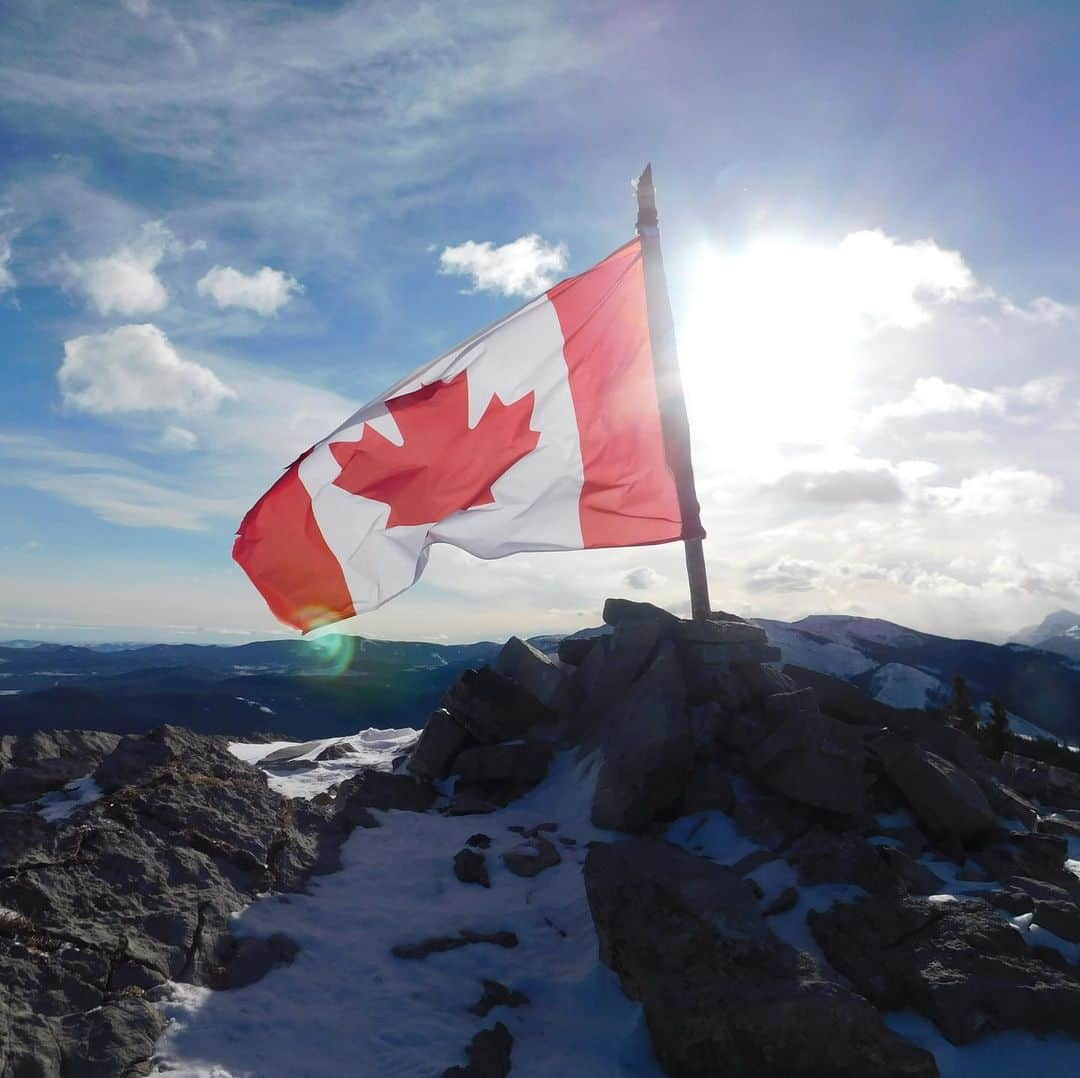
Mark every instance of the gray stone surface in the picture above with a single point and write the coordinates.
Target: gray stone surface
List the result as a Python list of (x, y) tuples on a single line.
[(534, 672), (648, 751), (441, 739)]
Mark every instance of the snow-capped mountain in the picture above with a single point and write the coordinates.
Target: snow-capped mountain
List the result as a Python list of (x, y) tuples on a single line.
[(910, 669), (1059, 632)]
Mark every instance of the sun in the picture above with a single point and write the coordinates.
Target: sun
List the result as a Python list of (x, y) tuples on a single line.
[(767, 346)]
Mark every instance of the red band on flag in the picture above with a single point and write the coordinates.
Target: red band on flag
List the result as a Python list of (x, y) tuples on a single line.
[(282, 549), (629, 495)]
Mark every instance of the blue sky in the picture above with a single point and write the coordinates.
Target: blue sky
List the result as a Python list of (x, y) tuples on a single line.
[(224, 226)]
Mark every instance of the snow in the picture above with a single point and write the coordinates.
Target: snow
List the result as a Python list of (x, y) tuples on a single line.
[(850, 629), (1003, 1055), (375, 749), (347, 1006), (60, 804), (1038, 936), (801, 649), (905, 686)]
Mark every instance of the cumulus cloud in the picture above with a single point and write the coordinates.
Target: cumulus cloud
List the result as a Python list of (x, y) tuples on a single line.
[(135, 368), (265, 292), (935, 396), (525, 267), (126, 282), (842, 486), (999, 490), (784, 575), (644, 578)]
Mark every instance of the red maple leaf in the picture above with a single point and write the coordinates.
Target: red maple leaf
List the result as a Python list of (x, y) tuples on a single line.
[(444, 464)]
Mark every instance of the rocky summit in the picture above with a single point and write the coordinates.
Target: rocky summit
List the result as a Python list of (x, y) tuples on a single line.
[(652, 852)]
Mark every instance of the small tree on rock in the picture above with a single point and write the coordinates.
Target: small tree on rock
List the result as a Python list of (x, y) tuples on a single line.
[(961, 710), (995, 741)]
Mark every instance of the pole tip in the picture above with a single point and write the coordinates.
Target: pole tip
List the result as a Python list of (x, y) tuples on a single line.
[(646, 200)]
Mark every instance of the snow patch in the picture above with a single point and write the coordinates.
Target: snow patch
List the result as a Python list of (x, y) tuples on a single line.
[(827, 657), (348, 1006), (60, 804), (905, 687)]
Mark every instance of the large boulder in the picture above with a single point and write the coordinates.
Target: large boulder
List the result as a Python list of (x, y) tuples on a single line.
[(493, 708), (956, 962), (945, 800), (648, 750), (35, 764), (441, 739), (721, 994), (502, 773), (534, 672), (810, 758)]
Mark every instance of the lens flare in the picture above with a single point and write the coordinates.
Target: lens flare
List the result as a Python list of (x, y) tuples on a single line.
[(334, 651)]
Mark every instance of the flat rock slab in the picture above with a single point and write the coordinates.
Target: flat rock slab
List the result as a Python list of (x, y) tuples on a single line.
[(440, 944)]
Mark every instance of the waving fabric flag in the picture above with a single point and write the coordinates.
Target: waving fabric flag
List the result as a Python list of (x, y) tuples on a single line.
[(542, 432)]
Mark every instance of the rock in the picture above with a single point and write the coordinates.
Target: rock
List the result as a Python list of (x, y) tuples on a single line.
[(1047, 783), (1014, 903), (502, 773), (647, 751), (1061, 918), (532, 857), (1048, 892), (467, 805), (35, 764), (721, 994), (810, 758), (840, 699), (622, 611), (784, 902), (1008, 803), (471, 867), (493, 708), (382, 790), (141, 889), (824, 857), (244, 961), (466, 938), (534, 672), (769, 820), (495, 995), (479, 841), (441, 739), (708, 789), (488, 1053), (946, 800), (916, 877), (339, 750), (1023, 854), (574, 649), (958, 963), (1058, 825), (288, 752)]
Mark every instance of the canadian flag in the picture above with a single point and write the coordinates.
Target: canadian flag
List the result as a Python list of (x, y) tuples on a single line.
[(542, 432)]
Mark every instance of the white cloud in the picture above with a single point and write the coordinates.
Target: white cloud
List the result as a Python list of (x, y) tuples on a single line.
[(644, 578), (935, 396), (999, 490), (844, 486), (264, 292), (525, 267), (7, 278), (784, 575), (126, 282), (134, 368), (179, 439), (112, 488)]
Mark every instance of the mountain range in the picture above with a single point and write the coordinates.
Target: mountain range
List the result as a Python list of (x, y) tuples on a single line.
[(329, 686)]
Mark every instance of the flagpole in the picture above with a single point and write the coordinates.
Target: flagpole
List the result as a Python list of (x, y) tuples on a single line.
[(672, 403)]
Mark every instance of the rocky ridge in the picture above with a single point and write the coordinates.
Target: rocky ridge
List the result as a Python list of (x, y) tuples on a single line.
[(960, 897)]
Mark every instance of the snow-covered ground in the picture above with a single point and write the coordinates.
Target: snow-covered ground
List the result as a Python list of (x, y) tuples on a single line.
[(904, 686), (827, 657), (347, 1006), (300, 775)]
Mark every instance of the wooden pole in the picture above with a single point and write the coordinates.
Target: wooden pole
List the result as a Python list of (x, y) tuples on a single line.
[(670, 394)]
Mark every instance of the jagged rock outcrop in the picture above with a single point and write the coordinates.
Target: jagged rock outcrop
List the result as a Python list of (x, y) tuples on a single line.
[(138, 888), (721, 993)]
